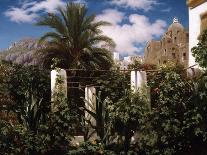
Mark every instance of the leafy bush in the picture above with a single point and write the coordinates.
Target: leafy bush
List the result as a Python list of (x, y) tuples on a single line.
[(110, 89), (125, 118), (51, 138), (30, 90), (38, 131), (113, 84), (175, 124), (90, 148), (200, 51)]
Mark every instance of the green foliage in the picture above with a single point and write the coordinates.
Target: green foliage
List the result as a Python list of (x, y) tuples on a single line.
[(113, 84), (128, 110), (17, 140), (51, 137), (35, 136), (134, 65), (137, 65), (24, 91), (126, 116), (6, 101), (30, 90), (90, 148), (175, 124), (111, 90), (59, 128), (118, 112), (5, 70), (200, 51), (97, 114)]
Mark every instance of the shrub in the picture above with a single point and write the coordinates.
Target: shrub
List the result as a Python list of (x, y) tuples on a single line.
[(175, 124), (200, 51)]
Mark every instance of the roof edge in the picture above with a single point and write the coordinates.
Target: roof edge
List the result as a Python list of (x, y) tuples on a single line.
[(194, 3)]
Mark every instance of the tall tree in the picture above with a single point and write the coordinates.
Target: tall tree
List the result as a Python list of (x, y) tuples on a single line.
[(77, 39)]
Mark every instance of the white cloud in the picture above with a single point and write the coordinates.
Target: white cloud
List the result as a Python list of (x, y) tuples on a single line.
[(29, 10), (111, 15), (80, 1), (137, 31), (166, 10), (20, 15), (135, 4), (25, 5), (47, 6)]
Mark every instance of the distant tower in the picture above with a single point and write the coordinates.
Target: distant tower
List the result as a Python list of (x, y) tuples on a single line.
[(175, 20), (173, 46)]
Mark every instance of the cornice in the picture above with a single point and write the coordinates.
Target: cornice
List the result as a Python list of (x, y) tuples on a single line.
[(194, 3)]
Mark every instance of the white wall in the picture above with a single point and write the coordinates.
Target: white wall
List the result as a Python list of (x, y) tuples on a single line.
[(116, 56), (194, 28)]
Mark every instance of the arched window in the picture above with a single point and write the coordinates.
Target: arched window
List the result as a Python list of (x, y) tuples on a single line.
[(173, 55), (184, 56), (175, 39)]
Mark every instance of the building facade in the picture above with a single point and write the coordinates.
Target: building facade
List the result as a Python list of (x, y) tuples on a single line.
[(197, 24), (172, 47), (124, 63)]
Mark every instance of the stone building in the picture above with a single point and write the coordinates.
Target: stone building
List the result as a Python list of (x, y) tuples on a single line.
[(130, 60), (124, 63), (173, 46)]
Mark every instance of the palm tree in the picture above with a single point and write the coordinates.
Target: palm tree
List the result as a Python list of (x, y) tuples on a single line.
[(77, 40)]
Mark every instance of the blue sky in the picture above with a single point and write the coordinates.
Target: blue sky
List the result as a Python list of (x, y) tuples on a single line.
[(134, 22)]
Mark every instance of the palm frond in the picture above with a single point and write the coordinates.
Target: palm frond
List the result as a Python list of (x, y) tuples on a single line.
[(53, 21), (49, 35), (103, 39)]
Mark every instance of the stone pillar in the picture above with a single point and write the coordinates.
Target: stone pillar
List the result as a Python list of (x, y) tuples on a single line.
[(138, 80), (139, 84), (58, 85), (90, 103), (116, 56)]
